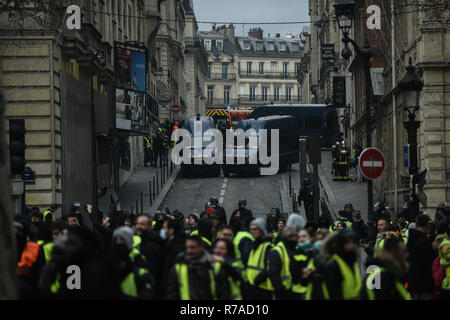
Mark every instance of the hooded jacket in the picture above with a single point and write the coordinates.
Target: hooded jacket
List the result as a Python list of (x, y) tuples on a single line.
[(394, 272)]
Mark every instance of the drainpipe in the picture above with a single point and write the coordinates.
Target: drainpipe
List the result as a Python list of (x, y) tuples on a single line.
[(52, 97), (394, 102)]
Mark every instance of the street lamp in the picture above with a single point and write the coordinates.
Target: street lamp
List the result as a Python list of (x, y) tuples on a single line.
[(410, 87), (345, 12)]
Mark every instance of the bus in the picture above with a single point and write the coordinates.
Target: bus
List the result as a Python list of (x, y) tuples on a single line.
[(228, 118), (311, 118)]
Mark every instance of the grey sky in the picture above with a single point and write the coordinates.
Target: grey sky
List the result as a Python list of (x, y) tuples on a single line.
[(254, 11)]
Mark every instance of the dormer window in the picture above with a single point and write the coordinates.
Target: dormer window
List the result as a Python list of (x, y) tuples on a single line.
[(282, 46), (295, 47), (259, 46), (219, 45), (271, 46), (247, 46), (207, 44)]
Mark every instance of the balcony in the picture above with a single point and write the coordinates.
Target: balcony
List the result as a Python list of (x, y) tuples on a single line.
[(290, 75), (221, 76), (268, 99), (214, 103)]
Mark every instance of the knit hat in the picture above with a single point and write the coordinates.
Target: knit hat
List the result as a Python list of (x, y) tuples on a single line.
[(125, 233), (259, 223), (295, 220)]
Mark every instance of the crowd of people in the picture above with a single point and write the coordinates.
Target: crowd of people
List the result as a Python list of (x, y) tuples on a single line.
[(169, 255)]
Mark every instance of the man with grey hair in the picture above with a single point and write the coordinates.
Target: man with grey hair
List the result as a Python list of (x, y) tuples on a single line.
[(258, 284), (283, 271)]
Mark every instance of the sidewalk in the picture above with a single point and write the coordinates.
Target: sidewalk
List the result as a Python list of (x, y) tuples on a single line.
[(338, 193), (140, 182)]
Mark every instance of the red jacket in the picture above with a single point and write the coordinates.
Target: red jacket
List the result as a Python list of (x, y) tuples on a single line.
[(438, 275)]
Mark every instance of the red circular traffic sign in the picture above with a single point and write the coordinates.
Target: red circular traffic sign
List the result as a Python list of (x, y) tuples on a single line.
[(175, 108), (371, 163)]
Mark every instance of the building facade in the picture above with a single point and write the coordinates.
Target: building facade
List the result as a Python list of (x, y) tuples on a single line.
[(72, 144), (245, 72)]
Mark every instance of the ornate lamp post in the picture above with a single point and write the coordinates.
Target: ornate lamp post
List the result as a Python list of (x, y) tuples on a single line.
[(345, 11), (410, 87)]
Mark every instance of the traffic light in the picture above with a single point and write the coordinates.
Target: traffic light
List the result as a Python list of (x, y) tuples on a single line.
[(17, 146)]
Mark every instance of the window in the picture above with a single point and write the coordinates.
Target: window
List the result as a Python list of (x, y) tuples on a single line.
[(299, 94), (239, 67), (259, 46), (249, 67), (241, 90), (225, 71), (282, 46), (209, 70), (252, 93), (297, 68), (210, 94), (265, 91), (273, 66), (226, 95), (207, 44), (219, 45), (261, 68), (288, 94), (285, 68), (295, 47), (271, 46), (276, 94), (247, 45)]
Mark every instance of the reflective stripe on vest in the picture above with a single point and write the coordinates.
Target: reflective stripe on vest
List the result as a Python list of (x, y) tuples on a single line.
[(48, 247), (446, 282), (183, 281), (206, 240), (194, 233), (237, 240), (128, 285), (309, 288), (351, 283), (46, 212), (54, 288), (148, 143), (286, 276), (298, 288), (256, 265), (136, 241), (235, 286), (28, 259), (134, 253), (371, 293)]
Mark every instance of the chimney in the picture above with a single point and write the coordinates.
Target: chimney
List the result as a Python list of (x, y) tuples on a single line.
[(268, 35), (230, 33), (256, 33), (214, 27), (278, 35)]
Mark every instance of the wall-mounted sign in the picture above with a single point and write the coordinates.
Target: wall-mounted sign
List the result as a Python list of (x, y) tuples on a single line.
[(339, 92), (327, 51)]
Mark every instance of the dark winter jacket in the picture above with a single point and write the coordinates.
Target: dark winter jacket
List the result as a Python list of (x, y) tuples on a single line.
[(394, 272), (361, 229), (152, 248), (421, 256), (199, 280)]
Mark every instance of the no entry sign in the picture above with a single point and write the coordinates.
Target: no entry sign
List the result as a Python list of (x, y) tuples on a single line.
[(175, 109), (371, 163)]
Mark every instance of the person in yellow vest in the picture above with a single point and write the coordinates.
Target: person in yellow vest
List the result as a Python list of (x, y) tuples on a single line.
[(143, 225), (258, 284), (382, 227), (384, 282), (135, 283), (125, 235), (234, 269), (56, 229), (148, 151), (205, 228), (441, 271), (49, 213), (284, 269), (193, 277), (342, 275)]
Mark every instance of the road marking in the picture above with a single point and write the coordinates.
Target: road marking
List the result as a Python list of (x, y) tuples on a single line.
[(222, 192), (373, 164), (252, 182), (224, 186), (221, 200), (225, 180)]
